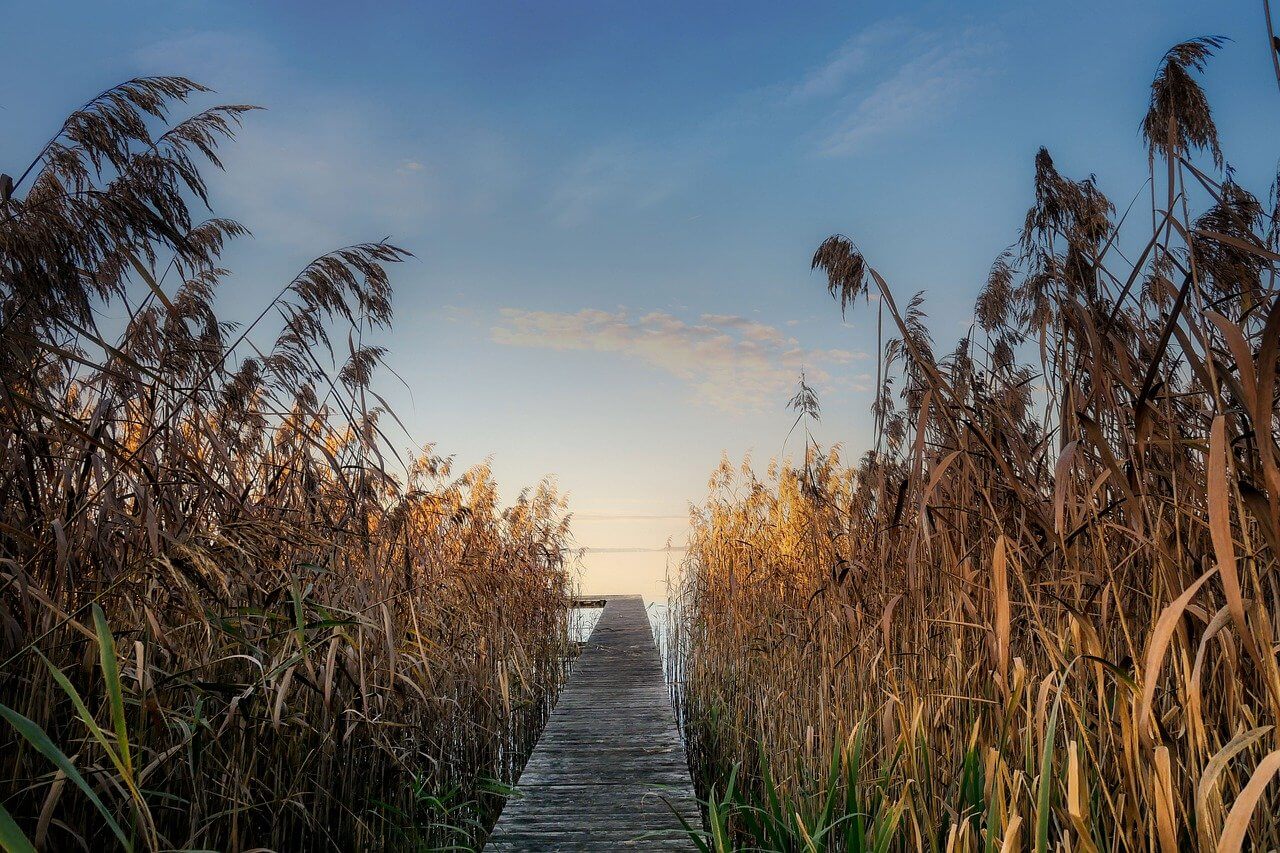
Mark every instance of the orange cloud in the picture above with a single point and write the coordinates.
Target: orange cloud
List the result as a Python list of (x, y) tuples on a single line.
[(730, 362)]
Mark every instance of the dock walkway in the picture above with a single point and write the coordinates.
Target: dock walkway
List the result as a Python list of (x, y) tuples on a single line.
[(610, 766)]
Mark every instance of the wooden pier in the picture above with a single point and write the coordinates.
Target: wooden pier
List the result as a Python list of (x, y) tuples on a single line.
[(610, 767)]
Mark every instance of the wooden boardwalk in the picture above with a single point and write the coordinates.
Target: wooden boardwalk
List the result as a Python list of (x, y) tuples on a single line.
[(610, 766)]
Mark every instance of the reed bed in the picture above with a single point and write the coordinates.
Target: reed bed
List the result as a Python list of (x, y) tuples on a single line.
[(232, 616), (1040, 613)]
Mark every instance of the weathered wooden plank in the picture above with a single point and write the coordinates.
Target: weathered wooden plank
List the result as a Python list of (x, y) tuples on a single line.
[(609, 770)]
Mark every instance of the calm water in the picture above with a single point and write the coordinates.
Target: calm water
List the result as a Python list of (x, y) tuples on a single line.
[(582, 620)]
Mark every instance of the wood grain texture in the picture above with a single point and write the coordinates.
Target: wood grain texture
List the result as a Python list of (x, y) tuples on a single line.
[(610, 767)]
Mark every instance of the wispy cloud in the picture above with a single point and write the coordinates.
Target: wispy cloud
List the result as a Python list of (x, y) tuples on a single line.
[(303, 171), (308, 180), (319, 169), (605, 516), (614, 174), (891, 79), (888, 80), (926, 89), (852, 58), (592, 550), (240, 65), (730, 362)]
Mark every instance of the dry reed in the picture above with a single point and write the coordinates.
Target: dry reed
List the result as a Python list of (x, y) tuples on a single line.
[(1041, 612), (231, 616)]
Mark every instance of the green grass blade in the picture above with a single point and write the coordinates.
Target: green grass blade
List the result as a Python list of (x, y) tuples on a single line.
[(887, 826), (1045, 792), (36, 737), (718, 818), (82, 711), (115, 692), (12, 838), (774, 822), (857, 835), (694, 835)]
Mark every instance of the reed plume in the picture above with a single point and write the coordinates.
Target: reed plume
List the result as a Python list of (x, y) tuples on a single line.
[(232, 615), (1041, 612)]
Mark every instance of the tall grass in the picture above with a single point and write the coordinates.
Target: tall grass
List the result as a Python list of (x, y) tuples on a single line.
[(231, 615), (1041, 611)]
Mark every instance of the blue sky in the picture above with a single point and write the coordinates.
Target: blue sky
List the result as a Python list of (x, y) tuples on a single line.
[(613, 205)]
